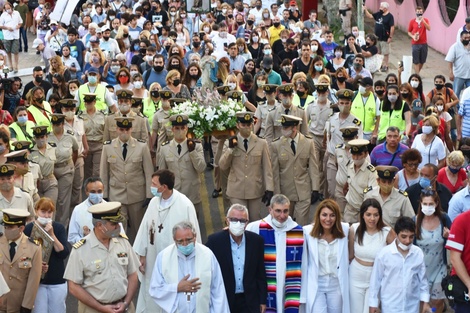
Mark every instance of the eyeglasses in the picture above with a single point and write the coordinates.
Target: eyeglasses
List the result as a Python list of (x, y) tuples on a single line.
[(412, 164), (234, 219), (428, 192), (184, 241)]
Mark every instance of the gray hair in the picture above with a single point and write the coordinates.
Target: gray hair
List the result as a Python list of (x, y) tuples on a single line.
[(382, 4), (279, 199), (183, 226), (95, 221), (238, 207)]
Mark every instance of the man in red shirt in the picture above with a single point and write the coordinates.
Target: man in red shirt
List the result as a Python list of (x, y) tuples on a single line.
[(419, 41)]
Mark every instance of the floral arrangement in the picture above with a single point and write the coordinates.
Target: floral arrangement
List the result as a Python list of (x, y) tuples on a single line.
[(208, 113)]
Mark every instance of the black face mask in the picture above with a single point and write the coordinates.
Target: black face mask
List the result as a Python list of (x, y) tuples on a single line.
[(267, 70), (465, 42), (167, 48), (341, 79), (240, 23), (276, 24), (39, 100), (250, 22), (194, 76), (158, 68), (380, 92), (143, 51), (38, 79), (175, 66), (230, 16), (405, 94), (176, 82), (155, 94), (125, 35), (196, 44), (258, 7), (439, 86), (55, 86), (301, 93)]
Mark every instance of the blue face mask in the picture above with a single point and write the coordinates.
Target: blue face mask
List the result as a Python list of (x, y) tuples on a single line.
[(155, 192), (95, 198), (186, 250), (454, 170), (136, 47), (92, 79), (424, 182), (22, 119)]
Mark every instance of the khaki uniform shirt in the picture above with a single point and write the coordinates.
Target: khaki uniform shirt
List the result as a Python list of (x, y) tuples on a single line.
[(317, 116), (343, 159), (78, 130), (357, 182), (94, 125), (396, 205), (261, 113), (65, 146), (273, 122), (139, 126), (20, 200), (335, 136), (162, 127), (46, 161), (102, 272), (187, 166), (22, 274), (127, 181)]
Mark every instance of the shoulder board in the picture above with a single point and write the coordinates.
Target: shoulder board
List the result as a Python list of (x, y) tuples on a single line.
[(107, 142), (80, 115), (299, 107), (165, 143), (276, 139), (339, 146), (357, 122), (123, 235), (70, 132), (104, 112), (403, 192), (34, 241), (371, 168), (308, 136), (272, 109), (140, 114), (366, 190), (79, 243), (52, 144), (141, 140)]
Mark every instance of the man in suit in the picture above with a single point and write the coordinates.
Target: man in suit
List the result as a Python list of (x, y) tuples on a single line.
[(185, 158), (20, 262), (241, 258), (126, 170), (295, 168), (250, 176)]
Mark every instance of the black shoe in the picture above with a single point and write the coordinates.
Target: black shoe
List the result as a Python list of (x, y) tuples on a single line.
[(26, 50), (215, 193), (21, 50), (37, 52)]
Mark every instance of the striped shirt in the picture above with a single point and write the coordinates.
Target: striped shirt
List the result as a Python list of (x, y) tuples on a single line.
[(464, 112)]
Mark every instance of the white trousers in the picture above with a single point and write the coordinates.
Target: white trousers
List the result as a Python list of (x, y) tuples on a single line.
[(359, 281), (50, 299), (328, 298)]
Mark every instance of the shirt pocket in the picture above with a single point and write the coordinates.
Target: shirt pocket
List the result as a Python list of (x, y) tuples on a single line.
[(123, 261), (112, 159), (95, 267)]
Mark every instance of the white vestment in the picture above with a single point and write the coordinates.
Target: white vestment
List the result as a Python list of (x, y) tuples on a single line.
[(202, 264), (149, 241), (280, 239)]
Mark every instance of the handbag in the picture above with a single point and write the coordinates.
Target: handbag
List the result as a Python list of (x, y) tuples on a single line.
[(454, 289)]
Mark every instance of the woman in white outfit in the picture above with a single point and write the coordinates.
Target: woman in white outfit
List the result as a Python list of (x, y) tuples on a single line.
[(366, 239), (325, 283)]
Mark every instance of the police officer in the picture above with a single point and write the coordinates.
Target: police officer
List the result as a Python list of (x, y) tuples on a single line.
[(185, 158), (250, 179), (360, 175), (273, 122), (261, 113), (161, 128), (395, 203), (139, 124), (66, 151), (20, 262), (295, 168), (136, 107), (93, 121), (103, 279), (126, 169), (74, 124), (43, 153)]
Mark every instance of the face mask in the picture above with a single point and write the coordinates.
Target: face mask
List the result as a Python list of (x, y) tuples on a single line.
[(95, 198), (258, 7), (74, 93), (255, 39), (40, 143), (186, 250), (267, 52), (155, 94), (250, 22), (123, 80), (392, 98), (285, 102), (158, 68), (427, 130), (124, 137), (342, 108), (175, 66), (338, 54), (386, 188), (12, 234), (155, 192), (404, 247), (39, 100), (183, 15), (286, 133), (232, 86), (318, 68), (176, 82), (124, 108), (236, 228), (206, 29), (112, 233), (439, 86), (265, 15), (380, 92), (286, 68), (172, 13), (359, 162), (440, 108), (314, 48), (341, 79), (95, 59), (419, 14), (114, 69), (424, 182), (300, 93), (355, 34), (278, 224), (44, 220), (133, 73), (260, 83), (357, 65), (2, 62), (414, 83), (362, 89), (245, 132), (223, 34), (465, 42), (22, 119), (38, 79), (428, 210), (6, 185), (92, 79), (138, 84), (454, 170), (405, 94), (69, 115), (196, 44), (224, 11)]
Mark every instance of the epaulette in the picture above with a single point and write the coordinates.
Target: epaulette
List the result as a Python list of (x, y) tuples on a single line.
[(79, 115), (302, 108), (403, 192), (140, 114), (107, 142), (308, 136), (366, 190), (269, 110), (79, 243), (339, 146), (123, 235), (165, 143), (357, 122), (70, 132), (141, 140), (276, 139), (104, 112), (52, 144), (371, 168), (33, 241)]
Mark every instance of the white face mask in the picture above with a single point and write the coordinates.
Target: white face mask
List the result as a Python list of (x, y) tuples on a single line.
[(440, 108), (69, 115), (44, 220), (232, 85), (359, 162), (404, 247), (362, 89), (427, 130), (279, 224), (236, 228), (133, 73), (428, 210), (2, 62), (206, 29), (314, 48), (138, 84), (414, 84), (286, 133)]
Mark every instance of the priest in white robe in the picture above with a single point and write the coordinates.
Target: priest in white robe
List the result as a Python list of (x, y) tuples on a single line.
[(187, 277), (167, 208)]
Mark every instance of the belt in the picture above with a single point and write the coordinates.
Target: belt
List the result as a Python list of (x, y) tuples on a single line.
[(62, 164), (318, 135), (114, 302)]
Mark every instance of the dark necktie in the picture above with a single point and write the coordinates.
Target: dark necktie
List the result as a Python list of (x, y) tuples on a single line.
[(292, 145), (179, 148), (286, 111), (245, 143), (124, 151), (12, 250)]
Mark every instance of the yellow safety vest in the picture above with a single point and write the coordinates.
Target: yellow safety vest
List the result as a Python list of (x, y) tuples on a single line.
[(20, 136), (391, 118), (149, 109), (296, 101), (100, 92), (366, 113), (39, 117)]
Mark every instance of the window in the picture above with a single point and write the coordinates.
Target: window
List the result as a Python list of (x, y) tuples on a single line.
[(449, 10)]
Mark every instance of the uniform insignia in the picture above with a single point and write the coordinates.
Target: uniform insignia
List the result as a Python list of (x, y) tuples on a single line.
[(54, 118), (357, 122), (70, 132), (123, 235), (36, 242), (107, 142), (165, 143), (276, 139), (403, 193), (339, 146), (308, 136), (52, 144), (247, 117), (272, 109), (141, 140), (302, 108), (283, 120), (366, 190), (79, 115), (105, 112), (179, 119), (79, 243), (4, 169), (38, 130), (371, 168)]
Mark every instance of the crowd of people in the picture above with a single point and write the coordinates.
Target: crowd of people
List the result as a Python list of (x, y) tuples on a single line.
[(93, 158)]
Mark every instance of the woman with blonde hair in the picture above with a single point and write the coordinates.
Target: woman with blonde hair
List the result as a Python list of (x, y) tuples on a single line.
[(122, 37), (263, 33), (232, 81), (453, 176), (266, 17), (96, 59), (223, 70), (299, 76), (152, 102), (173, 83), (340, 79), (429, 144), (243, 49), (57, 67)]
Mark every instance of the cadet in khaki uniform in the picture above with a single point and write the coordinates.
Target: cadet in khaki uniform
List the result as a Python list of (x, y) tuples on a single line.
[(93, 121), (261, 113), (102, 267), (139, 128), (161, 127), (185, 158), (250, 179), (295, 169), (66, 151), (126, 170), (334, 137), (360, 175), (23, 177), (43, 154), (395, 203), (74, 125), (318, 112), (20, 263), (273, 122)]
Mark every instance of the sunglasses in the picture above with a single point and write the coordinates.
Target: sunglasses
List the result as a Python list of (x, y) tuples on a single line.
[(428, 192)]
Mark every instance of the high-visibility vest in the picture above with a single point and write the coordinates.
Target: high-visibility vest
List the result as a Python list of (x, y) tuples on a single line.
[(39, 117), (366, 113), (20, 136), (100, 92), (391, 118)]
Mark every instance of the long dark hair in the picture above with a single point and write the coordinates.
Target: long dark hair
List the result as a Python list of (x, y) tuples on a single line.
[(317, 229), (387, 105), (419, 217), (361, 229)]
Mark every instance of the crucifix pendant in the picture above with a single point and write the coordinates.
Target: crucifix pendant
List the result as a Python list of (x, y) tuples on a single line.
[(160, 227)]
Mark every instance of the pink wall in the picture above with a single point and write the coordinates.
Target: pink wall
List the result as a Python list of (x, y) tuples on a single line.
[(441, 36)]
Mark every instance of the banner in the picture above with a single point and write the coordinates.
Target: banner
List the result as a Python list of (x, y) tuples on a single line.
[(63, 11)]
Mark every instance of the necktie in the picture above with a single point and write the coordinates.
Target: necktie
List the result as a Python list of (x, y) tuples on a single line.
[(286, 111), (292, 146), (179, 148), (124, 151), (245, 143), (12, 250)]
